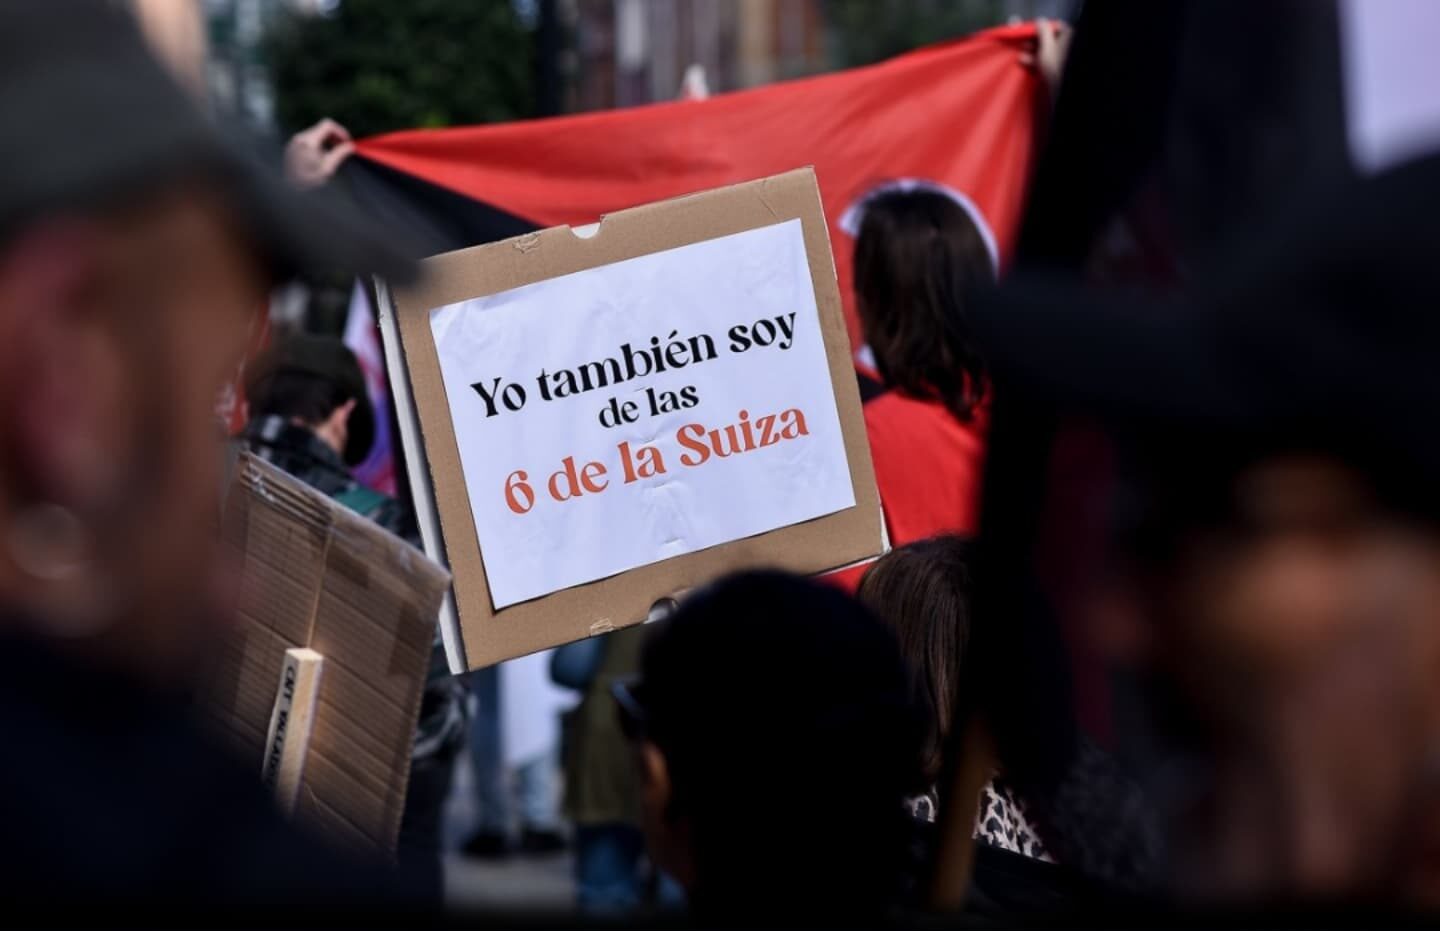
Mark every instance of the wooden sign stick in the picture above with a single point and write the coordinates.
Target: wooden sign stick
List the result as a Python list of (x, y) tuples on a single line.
[(291, 720)]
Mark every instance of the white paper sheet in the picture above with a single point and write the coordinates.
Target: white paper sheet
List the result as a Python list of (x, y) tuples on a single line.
[(784, 469), (1391, 69)]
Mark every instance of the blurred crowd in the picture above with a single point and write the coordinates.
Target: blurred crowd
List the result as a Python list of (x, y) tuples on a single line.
[(1160, 623)]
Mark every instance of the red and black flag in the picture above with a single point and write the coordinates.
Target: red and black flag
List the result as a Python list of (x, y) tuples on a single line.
[(960, 116)]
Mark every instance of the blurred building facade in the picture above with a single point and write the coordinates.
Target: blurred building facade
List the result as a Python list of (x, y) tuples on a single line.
[(235, 73), (598, 54), (627, 52)]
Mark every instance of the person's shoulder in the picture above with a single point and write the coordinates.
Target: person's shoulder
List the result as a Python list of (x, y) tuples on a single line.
[(895, 401), (179, 815), (365, 501), (902, 416)]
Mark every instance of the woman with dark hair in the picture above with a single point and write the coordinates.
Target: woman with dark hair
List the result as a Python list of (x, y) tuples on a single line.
[(922, 591), (917, 254), (1041, 846)]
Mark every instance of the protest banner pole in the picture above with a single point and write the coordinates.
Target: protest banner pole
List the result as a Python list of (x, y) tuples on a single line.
[(422, 493)]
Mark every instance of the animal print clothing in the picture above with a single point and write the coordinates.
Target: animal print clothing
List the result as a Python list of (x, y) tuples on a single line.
[(1000, 820)]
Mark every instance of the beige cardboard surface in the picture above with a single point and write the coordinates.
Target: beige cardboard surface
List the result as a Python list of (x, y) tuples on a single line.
[(814, 546), (317, 576)]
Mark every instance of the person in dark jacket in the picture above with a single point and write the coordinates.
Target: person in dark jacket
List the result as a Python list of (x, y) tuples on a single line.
[(1272, 555), (311, 416), (777, 746), (135, 250)]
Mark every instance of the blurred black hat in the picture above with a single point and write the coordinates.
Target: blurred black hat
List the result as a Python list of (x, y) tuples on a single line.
[(1319, 332), (327, 358), (827, 669), (91, 117)]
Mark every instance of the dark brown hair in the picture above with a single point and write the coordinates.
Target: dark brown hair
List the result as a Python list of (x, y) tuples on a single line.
[(917, 254), (782, 709), (922, 591)]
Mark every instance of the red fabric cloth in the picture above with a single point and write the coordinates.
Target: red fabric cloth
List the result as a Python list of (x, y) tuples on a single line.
[(927, 466), (928, 469), (960, 113)]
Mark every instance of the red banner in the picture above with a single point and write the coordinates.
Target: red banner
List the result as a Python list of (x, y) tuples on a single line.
[(961, 115)]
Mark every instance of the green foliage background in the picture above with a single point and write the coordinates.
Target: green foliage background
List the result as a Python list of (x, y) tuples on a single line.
[(866, 31), (381, 65)]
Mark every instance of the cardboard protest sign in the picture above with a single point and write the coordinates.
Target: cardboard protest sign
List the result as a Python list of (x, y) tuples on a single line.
[(614, 417), (322, 587)]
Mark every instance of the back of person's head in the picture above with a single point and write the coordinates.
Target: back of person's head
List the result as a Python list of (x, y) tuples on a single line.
[(298, 396), (778, 748), (305, 377), (922, 591), (314, 381), (916, 255)]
